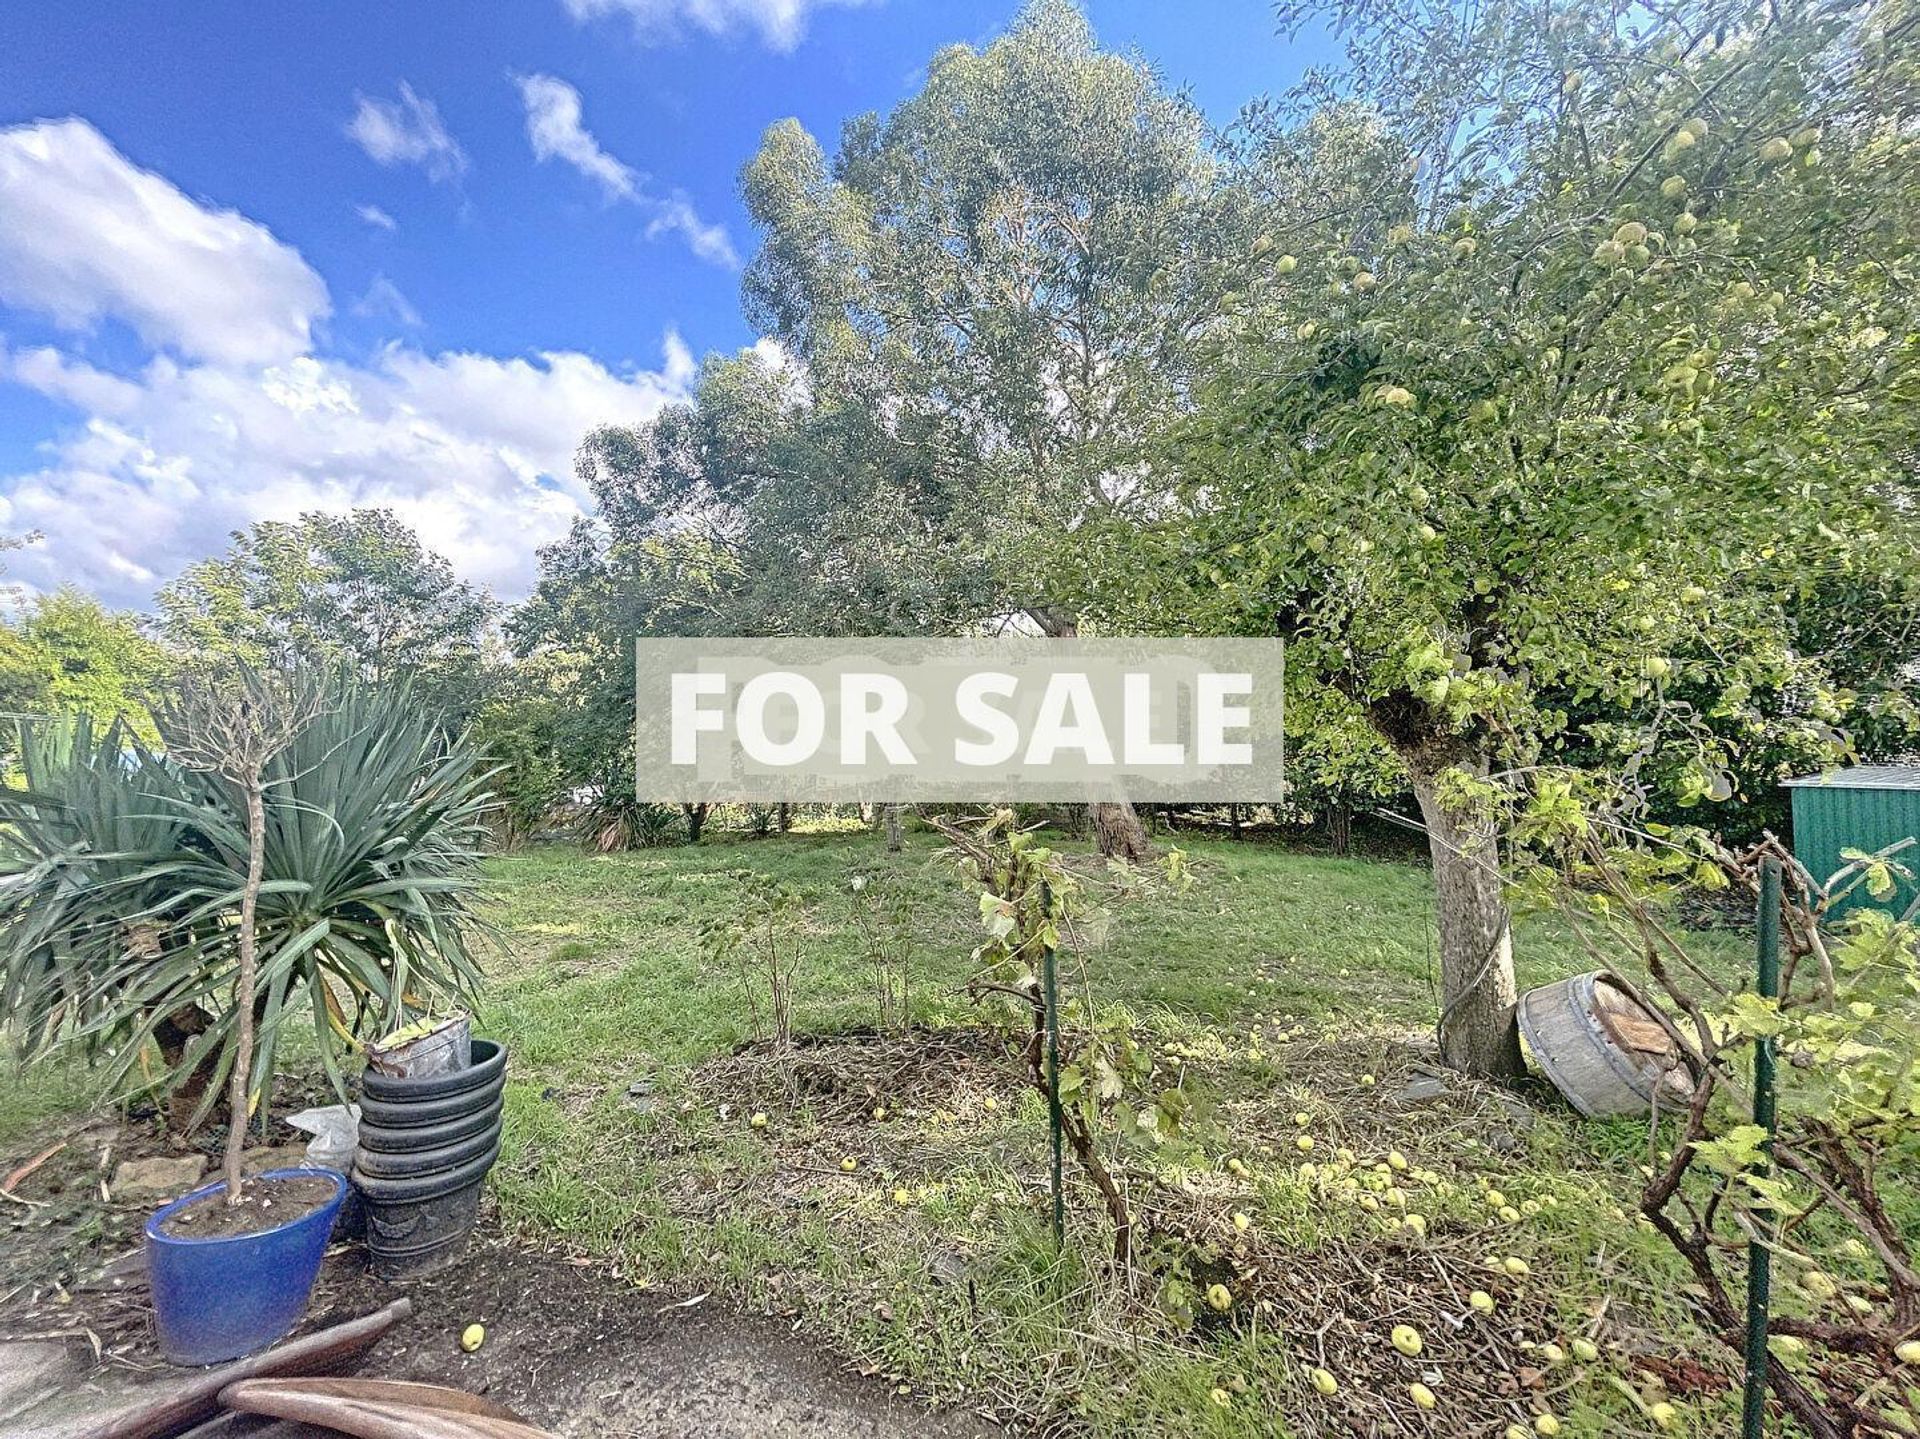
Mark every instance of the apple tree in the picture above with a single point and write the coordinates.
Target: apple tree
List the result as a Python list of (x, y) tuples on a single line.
[(1584, 348)]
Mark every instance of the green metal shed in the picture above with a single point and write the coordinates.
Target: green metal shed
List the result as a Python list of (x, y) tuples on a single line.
[(1867, 808)]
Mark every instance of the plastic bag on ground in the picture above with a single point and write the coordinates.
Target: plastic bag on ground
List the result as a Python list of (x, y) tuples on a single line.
[(336, 1134)]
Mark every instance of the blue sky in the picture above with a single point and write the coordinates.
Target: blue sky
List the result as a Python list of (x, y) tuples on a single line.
[(267, 258)]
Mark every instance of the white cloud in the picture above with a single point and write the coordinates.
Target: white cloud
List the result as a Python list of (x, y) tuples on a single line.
[(780, 23), (475, 451), (407, 131), (771, 353), (710, 242), (233, 419), (383, 300), (87, 235), (63, 378), (376, 217), (555, 131)]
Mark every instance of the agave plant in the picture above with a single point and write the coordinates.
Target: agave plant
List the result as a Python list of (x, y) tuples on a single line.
[(125, 874)]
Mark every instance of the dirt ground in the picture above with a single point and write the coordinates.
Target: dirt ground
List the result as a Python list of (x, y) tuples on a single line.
[(584, 1354), (569, 1345)]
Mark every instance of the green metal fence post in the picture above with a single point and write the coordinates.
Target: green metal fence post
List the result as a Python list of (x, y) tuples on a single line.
[(1759, 1256), (1050, 998)]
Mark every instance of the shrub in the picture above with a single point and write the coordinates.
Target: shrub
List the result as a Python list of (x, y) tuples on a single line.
[(125, 873)]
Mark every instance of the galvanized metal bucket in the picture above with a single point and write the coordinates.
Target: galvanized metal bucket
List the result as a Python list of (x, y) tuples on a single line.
[(1601, 1047)]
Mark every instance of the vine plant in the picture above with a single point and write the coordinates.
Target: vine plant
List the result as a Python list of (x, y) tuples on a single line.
[(1029, 901), (1827, 1196)]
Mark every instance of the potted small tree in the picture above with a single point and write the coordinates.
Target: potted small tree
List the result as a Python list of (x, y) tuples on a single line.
[(232, 1264), (300, 842)]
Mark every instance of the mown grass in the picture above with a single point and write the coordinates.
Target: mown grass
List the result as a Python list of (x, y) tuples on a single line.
[(602, 982), (1290, 984)]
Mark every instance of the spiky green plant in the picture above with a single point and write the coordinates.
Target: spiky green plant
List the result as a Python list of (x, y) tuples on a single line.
[(124, 875), (88, 834)]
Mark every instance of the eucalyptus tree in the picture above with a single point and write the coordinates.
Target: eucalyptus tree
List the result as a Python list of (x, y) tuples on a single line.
[(1010, 275), (1585, 349), (755, 509)]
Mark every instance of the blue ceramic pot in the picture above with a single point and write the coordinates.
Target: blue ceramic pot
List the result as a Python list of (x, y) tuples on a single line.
[(216, 1299)]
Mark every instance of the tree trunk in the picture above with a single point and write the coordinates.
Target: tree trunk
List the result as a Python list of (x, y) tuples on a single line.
[(1477, 994), (896, 835), (1116, 827), (1339, 828), (696, 820), (173, 1034), (240, 1085), (783, 816), (1119, 833)]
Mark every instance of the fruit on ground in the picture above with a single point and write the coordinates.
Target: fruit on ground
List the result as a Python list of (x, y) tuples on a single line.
[(1219, 1298), (1325, 1383), (1407, 1340), (1481, 1301), (472, 1337), (759, 1120), (1423, 1397)]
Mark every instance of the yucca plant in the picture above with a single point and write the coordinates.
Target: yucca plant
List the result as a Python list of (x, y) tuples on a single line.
[(128, 873), (89, 831)]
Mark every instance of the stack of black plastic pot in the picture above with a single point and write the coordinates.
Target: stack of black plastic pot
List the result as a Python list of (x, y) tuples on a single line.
[(426, 1145)]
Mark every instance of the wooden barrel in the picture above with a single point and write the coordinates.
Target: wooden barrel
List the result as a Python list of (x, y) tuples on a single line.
[(1601, 1048)]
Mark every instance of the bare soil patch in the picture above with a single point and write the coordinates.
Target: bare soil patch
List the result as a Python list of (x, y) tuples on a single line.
[(569, 1343), (263, 1204)]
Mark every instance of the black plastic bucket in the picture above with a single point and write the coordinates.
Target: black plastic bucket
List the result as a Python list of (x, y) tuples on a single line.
[(488, 1067), (414, 1163), (408, 1139), (397, 1114), (425, 1148), (419, 1223)]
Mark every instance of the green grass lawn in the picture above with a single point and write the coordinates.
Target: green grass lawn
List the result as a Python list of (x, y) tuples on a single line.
[(1299, 985), (894, 1199)]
